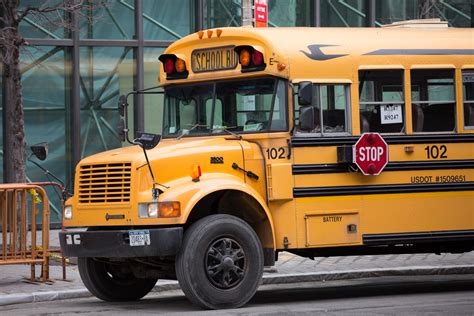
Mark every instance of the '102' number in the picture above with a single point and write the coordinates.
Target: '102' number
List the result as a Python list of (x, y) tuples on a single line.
[(276, 153), (435, 152)]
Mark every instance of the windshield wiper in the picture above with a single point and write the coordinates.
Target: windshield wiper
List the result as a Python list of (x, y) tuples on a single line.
[(224, 129), (185, 132)]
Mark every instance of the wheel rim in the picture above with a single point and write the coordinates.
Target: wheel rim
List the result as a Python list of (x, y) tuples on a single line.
[(225, 263)]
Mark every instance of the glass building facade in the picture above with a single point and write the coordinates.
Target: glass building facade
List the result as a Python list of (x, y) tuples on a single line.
[(72, 78)]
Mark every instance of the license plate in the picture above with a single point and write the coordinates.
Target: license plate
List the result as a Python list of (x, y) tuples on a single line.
[(139, 237)]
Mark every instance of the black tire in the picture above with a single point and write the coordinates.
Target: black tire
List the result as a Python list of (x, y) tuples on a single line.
[(107, 282), (220, 263)]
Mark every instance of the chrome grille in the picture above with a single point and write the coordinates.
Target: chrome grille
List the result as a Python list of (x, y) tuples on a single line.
[(105, 183)]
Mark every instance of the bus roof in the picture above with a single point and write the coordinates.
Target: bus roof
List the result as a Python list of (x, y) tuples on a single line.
[(307, 53)]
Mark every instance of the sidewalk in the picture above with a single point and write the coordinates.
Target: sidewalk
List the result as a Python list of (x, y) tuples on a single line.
[(15, 287)]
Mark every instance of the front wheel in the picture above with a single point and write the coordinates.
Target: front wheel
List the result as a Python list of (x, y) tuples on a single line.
[(112, 282), (220, 263)]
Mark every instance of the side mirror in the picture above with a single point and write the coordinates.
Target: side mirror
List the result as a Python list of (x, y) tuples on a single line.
[(40, 150), (307, 118), (146, 140), (122, 104), (305, 93), (121, 129)]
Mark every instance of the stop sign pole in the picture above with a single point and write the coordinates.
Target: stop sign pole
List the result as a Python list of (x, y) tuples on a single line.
[(370, 154)]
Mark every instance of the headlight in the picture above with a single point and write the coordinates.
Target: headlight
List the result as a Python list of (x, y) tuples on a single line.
[(68, 212), (148, 210), (159, 209)]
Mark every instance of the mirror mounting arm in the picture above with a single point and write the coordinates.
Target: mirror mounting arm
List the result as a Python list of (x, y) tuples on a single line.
[(46, 171)]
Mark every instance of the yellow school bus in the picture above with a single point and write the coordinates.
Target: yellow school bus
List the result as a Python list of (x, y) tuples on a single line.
[(257, 156)]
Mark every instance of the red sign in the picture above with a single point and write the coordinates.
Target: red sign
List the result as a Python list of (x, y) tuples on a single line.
[(370, 154), (261, 13)]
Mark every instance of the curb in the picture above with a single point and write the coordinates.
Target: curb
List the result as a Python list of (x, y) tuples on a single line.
[(268, 279)]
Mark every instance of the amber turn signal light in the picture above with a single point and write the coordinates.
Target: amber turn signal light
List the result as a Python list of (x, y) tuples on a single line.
[(169, 209), (244, 57)]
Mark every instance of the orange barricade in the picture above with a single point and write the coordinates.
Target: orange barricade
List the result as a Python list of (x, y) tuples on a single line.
[(20, 245)]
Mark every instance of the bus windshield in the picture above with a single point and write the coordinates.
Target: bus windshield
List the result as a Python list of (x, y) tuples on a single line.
[(239, 106)]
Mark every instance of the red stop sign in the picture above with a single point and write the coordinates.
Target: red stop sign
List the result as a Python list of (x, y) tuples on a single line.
[(370, 154)]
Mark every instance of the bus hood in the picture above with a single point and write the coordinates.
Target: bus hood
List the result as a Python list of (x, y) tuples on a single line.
[(173, 160)]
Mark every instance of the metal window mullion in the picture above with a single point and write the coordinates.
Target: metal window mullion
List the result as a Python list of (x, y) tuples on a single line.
[(49, 42), (108, 43), (198, 15), (75, 114), (372, 10), (139, 112), (316, 13), (159, 44)]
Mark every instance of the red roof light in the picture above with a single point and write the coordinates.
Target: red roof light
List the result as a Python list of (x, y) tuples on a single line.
[(257, 58), (169, 66)]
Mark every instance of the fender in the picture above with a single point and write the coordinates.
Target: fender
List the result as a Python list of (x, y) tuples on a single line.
[(190, 193)]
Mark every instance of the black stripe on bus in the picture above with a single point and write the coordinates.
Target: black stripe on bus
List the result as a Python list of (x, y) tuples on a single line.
[(390, 139), (391, 166), (421, 237), (381, 189)]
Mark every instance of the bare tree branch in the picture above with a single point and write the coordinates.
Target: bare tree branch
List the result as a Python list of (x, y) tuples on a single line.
[(49, 14)]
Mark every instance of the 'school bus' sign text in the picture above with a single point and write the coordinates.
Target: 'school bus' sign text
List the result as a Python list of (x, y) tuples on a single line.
[(214, 59)]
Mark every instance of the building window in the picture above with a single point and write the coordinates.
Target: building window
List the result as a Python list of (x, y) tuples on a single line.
[(381, 99), (468, 97), (47, 25), (289, 13), (45, 103), (106, 72), (433, 100), (167, 19), (346, 13), (112, 20), (221, 13)]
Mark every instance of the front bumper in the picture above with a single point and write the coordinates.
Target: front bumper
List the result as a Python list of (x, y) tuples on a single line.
[(116, 243)]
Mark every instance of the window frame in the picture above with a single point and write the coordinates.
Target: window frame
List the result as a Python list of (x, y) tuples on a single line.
[(317, 95), (465, 100), (421, 102), (214, 84), (402, 102)]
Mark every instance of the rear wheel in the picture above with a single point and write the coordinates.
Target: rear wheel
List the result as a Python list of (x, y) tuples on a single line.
[(220, 263), (112, 282)]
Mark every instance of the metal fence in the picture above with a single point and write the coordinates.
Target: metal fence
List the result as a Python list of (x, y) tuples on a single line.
[(20, 207)]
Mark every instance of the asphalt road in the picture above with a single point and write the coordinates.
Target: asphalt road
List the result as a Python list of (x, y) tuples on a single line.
[(438, 295)]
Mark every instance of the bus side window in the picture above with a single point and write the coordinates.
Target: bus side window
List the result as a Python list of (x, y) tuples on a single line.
[(468, 97), (433, 98), (331, 108), (382, 105)]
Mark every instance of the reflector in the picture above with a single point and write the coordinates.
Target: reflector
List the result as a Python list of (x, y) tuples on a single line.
[(196, 173)]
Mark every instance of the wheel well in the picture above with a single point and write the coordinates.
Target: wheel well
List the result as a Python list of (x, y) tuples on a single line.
[(242, 205)]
